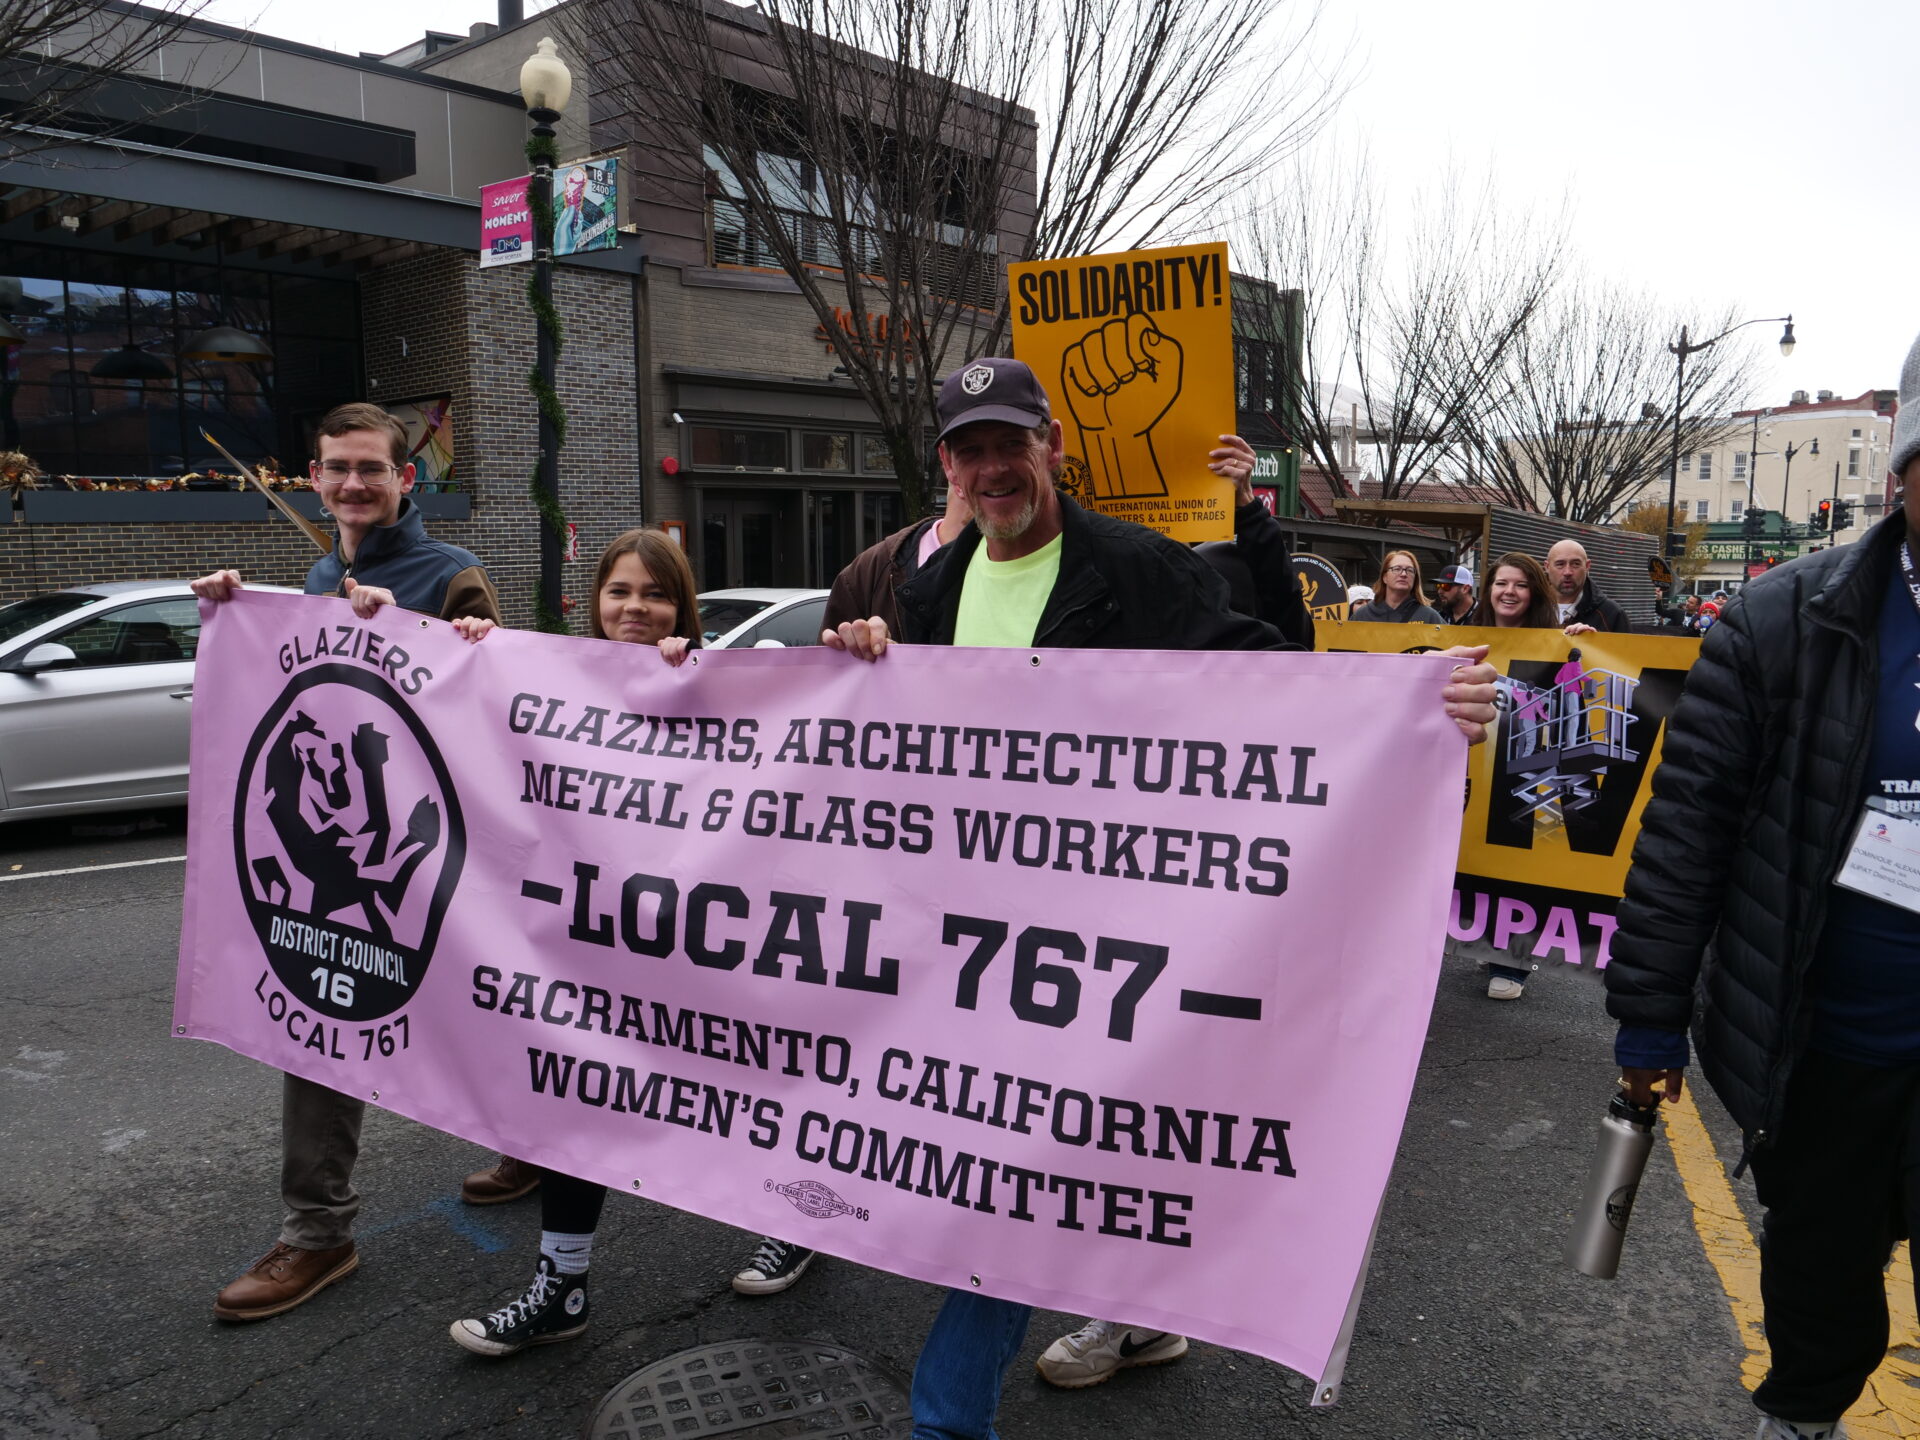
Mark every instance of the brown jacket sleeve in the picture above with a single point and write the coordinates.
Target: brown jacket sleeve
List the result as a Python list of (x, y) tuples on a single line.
[(470, 592), (865, 588)]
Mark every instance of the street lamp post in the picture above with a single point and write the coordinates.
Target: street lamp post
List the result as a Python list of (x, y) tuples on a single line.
[(1812, 447), (545, 85), (1680, 352)]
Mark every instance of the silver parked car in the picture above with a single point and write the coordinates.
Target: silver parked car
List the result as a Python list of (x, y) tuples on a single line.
[(754, 618), (96, 692)]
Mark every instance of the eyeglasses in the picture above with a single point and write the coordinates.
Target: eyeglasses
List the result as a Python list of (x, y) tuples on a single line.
[(1401, 570), (368, 472)]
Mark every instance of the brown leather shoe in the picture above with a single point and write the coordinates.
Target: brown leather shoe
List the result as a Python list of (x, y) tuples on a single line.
[(508, 1180), (283, 1278)]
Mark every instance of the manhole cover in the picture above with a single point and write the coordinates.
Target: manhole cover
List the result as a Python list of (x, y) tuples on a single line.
[(762, 1388)]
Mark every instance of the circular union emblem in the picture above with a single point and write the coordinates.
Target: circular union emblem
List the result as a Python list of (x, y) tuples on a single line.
[(349, 842), (1075, 480), (976, 378)]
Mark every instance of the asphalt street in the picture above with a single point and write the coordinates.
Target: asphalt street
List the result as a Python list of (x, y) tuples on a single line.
[(141, 1174)]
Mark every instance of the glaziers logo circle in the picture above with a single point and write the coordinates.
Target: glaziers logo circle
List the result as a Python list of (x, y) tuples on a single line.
[(349, 842)]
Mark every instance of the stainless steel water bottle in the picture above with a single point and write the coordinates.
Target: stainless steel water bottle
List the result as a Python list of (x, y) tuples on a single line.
[(1600, 1225)]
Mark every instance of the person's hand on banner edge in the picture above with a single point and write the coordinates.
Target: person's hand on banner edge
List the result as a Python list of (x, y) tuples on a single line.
[(1578, 629), (366, 599), (1470, 695), (218, 586), (1639, 1085), (1234, 460), (674, 649), (863, 639), (473, 628)]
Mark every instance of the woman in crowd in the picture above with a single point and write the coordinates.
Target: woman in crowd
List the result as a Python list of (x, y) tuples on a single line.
[(1519, 596), (1399, 598)]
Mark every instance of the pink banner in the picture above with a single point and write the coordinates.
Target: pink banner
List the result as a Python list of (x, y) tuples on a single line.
[(1094, 979), (506, 222)]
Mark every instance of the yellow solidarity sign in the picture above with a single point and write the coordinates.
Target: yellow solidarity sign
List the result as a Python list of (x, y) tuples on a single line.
[(1136, 353)]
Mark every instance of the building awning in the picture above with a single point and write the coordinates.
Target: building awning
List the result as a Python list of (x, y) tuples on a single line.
[(122, 195)]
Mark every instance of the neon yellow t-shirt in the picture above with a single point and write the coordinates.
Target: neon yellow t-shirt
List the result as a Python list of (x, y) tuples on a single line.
[(1001, 601)]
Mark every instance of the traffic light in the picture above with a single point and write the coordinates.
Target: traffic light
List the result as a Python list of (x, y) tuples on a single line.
[(1823, 517), (1754, 525), (1842, 516), (1772, 560)]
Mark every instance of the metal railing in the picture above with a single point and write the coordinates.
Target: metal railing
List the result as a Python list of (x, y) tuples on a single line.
[(1562, 736), (737, 237)]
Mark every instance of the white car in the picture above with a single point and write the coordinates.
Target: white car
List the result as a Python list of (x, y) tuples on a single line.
[(751, 619), (96, 696)]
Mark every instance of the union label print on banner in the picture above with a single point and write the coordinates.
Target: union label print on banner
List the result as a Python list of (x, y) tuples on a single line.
[(1031, 973), (1556, 794), (1322, 587), (1136, 352)]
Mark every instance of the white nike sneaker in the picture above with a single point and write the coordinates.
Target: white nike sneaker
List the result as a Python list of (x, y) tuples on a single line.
[(1772, 1427), (1094, 1352)]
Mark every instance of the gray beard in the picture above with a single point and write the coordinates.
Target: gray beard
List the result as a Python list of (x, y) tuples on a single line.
[(1009, 529)]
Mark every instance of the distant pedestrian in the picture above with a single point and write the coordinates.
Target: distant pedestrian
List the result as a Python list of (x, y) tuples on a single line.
[(1579, 599), (1399, 598), (1453, 594)]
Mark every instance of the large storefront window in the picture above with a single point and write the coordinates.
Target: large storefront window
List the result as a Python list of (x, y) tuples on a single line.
[(102, 387)]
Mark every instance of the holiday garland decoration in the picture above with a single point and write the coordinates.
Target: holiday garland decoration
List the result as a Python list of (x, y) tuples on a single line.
[(542, 156)]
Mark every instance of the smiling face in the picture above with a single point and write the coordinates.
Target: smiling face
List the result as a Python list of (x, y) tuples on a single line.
[(634, 607), (1510, 595), (358, 506), (1005, 473)]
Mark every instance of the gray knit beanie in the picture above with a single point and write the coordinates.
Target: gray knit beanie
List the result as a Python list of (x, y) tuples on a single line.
[(1906, 424)]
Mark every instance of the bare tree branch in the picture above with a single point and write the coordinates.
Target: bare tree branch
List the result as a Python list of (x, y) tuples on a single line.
[(1584, 422), (1407, 331), (60, 59)]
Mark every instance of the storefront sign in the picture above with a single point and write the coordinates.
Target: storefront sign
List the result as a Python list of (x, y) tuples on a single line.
[(882, 332), (1136, 353), (1322, 586), (506, 223), (585, 206), (824, 950), (1555, 795)]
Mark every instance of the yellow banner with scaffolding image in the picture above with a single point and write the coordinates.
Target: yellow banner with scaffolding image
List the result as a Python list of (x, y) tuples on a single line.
[(1554, 797)]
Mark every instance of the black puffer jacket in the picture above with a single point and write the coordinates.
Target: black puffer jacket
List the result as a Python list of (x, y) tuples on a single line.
[(1121, 587), (1753, 807)]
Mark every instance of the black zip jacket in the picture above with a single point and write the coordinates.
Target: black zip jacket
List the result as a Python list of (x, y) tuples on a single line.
[(427, 576), (1597, 610), (1753, 808), (1121, 587)]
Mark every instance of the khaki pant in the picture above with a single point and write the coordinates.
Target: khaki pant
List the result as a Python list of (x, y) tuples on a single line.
[(319, 1141)]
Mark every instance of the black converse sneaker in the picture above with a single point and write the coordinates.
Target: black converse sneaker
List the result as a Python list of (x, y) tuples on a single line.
[(774, 1266), (554, 1308)]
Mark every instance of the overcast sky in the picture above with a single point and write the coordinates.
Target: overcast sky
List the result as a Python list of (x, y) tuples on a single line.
[(1722, 153)]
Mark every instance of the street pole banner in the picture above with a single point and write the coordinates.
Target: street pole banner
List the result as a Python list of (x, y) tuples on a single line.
[(506, 222), (586, 206), (1136, 352), (1036, 973), (1554, 797)]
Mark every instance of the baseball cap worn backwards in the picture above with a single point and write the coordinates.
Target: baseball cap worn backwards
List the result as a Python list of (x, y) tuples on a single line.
[(993, 387)]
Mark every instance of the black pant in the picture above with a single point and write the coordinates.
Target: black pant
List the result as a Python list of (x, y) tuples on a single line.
[(568, 1204), (1841, 1186)]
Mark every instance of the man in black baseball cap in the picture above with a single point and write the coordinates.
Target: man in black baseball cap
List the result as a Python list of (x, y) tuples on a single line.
[(1038, 570)]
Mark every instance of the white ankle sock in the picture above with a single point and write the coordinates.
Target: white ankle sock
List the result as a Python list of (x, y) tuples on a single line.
[(569, 1253)]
